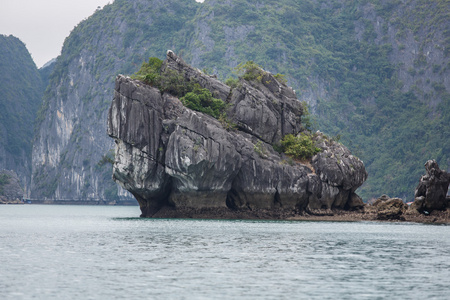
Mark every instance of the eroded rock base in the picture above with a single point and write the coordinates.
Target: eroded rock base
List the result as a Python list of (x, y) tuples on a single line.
[(369, 213)]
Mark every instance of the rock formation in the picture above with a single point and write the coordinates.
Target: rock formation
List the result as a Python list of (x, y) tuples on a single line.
[(390, 208), (169, 156), (432, 189)]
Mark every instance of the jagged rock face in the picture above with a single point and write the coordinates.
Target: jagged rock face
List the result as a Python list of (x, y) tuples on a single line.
[(169, 155), (341, 172), (266, 109), (71, 141), (432, 189), (217, 88)]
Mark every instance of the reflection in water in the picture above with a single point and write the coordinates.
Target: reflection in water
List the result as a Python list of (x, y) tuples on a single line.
[(82, 252)]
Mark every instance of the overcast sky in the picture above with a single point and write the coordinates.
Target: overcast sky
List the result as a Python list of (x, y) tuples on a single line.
[(44, 24)]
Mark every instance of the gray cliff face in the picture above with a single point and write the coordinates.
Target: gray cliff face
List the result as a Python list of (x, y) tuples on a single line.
[(170, 156), (71, 140)]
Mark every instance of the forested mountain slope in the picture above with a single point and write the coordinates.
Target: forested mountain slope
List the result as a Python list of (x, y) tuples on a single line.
[(71, 138), (374, 72), (20, 97)]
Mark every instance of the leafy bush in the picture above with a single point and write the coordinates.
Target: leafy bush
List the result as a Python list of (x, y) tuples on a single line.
[(281, 78), (174, 83), (170, 81), (299, 147), (202, 100), (232, 82), (150, 72), (249, 71)]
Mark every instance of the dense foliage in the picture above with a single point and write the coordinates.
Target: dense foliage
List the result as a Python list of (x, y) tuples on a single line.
[(20, 97)]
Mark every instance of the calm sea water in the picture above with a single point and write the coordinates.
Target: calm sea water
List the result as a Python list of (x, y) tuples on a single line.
[(100, 252)]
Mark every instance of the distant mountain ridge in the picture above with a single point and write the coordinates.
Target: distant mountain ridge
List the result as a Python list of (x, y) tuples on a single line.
[(20, 97), (375, 73)]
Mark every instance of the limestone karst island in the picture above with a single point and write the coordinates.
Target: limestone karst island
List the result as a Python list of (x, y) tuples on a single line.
[(188, 145)]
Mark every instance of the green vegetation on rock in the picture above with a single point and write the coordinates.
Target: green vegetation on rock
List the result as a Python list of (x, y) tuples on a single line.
[(259, 148), (150, 72), (191, 94), (300, 147), (249, 71), (202, 100)]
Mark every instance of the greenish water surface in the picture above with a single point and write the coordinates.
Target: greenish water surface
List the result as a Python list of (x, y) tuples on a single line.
[(102, 252)]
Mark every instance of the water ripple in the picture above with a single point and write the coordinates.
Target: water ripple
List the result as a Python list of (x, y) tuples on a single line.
[(86, 252)]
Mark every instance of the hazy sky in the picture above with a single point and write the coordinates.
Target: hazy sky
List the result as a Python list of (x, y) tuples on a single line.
[(44, 24)]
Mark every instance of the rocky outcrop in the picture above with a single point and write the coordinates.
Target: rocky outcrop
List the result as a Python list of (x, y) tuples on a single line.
[(10, 188), (340, 174), (432, 189), (170, 156), (390, 208)]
